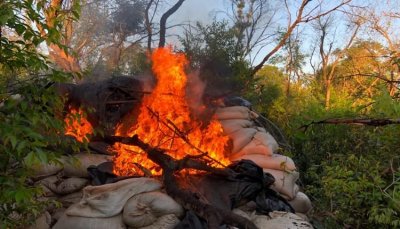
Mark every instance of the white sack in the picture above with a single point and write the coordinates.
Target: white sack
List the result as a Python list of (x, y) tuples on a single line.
[(285, 182), (301, 203), (76, 222), (235, 112), (45, 183), (43, 222), (164, 222), (42, 170), (71, 199), (109, 199), (144, 209), (276, 161), (262, 143), (77, 166), (68, 185), (232, 125), (241, 138), (281, 220)]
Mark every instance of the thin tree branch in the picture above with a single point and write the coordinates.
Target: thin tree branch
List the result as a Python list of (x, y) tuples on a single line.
[(163, 21)]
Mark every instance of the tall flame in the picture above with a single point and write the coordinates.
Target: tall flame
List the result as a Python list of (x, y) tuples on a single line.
[(164, 121)]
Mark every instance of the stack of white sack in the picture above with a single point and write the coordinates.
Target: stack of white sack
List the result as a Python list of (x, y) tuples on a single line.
[(254, 143), (130, 203)]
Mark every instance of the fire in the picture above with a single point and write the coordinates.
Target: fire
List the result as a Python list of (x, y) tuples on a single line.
[(76, 125), (165, 122)]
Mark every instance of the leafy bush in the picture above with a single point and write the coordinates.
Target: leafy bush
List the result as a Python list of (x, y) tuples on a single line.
[(350, 172), (29, 109)]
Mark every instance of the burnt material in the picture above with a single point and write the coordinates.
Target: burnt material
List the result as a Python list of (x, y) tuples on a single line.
[(217, 192), (213, 215), (105, 102)]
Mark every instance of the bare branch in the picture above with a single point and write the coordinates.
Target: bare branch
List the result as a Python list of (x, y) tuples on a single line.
[(163, 21)]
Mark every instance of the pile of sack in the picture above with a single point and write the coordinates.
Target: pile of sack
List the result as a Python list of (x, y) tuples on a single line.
[(255, 143), (129, 203)]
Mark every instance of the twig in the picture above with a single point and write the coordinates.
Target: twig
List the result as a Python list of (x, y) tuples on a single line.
[(357, 121), (122, 101)]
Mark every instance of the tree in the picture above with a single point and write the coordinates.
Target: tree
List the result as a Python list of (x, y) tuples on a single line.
[(213, 49), (383, 24), (292, 59), (59, 15), (328, 56), (29, 108), (302, 16)]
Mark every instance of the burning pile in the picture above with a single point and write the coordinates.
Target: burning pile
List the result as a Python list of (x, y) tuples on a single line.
[(165, 121), (165, 138)]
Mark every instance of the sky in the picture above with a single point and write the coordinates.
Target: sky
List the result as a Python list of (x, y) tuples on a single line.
[(205, 10)]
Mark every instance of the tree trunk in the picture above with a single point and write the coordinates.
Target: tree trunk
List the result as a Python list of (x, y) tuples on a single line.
[(328, 94)]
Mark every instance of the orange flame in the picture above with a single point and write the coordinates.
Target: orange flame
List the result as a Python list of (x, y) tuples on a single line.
[(77, 126), (164, 121)]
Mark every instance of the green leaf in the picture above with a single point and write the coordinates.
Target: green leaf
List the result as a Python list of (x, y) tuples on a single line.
[(21, 195), (41, 155), (13, 141), (20, 29), (21, 146), (31, 159)]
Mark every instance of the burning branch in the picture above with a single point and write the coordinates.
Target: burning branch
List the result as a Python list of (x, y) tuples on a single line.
[(213, 215), (170, 125)]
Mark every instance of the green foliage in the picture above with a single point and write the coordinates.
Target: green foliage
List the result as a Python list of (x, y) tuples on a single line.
[(350, 172), (30, 111), (215, 49)]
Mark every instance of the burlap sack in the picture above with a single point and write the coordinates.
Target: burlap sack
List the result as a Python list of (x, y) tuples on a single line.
[(241, 138), (232, 125), (77, 165), (68, 185), (71, 199), (45, 183), (76, 222), (42, 222), (164, 222), (276, 161), (262, 143), (42, 170), (280, 220), (144, 209), (235, 112), (109, 199), (285, 182), (301, 203)]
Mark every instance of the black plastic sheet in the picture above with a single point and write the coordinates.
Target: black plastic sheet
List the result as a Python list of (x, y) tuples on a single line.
[(247, 182)]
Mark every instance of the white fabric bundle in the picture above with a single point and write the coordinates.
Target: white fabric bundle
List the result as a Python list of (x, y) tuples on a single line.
[(109, 199), (144, 209)]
